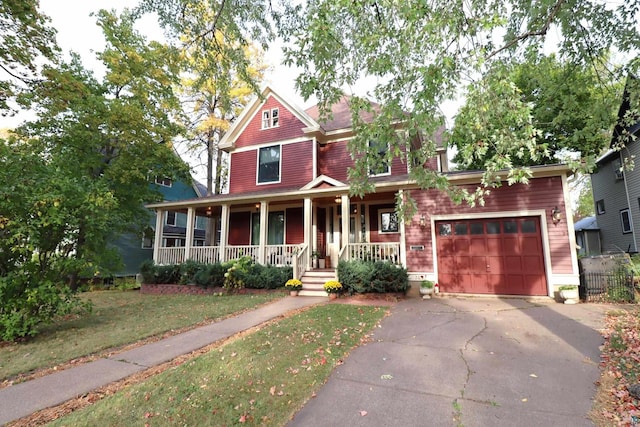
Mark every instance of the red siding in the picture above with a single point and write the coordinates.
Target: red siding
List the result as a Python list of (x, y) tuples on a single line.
[(540, 194), (334, 160), (295, 226), (374, 217), (253, 134), (296, 168), (239, 228)]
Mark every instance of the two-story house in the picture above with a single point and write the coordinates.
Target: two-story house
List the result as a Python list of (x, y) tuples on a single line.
[(289, 197), (616, 182)]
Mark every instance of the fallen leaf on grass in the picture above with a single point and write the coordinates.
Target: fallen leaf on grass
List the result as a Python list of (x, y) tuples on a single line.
[(386, 377), (363, 413)]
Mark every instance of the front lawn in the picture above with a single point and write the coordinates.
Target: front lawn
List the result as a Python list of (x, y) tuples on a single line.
[(262, 378), (118, 318)]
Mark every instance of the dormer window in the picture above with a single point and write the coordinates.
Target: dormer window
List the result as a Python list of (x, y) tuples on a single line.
[(378, 163), (270, 118), (165, 182), (269, 164)]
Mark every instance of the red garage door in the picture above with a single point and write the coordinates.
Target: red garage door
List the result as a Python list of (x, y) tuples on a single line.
[(491, 256)]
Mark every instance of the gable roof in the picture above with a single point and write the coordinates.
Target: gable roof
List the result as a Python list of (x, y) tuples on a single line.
[(588, 223), (238, 126), (340, 117)]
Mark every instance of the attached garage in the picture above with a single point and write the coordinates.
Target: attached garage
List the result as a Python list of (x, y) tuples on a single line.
[(502, 256)]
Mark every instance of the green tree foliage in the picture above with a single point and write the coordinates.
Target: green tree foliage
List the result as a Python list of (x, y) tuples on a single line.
[(79, 174), (585, 204), (572, 109), (24, 37), (423, 53)]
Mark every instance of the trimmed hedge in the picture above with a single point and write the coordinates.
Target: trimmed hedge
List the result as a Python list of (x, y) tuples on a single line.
[(240, 273), (367, 276)]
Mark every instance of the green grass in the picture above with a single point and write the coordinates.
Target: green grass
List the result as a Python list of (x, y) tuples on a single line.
[(118, 318), (260, 379)]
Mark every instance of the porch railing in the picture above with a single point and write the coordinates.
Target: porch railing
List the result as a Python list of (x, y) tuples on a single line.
[(205, 254), (170, 256), (374, 252), (300, 260), (280, 254), (235, 252)]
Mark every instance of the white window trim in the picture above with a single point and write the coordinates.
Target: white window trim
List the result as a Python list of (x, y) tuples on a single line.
[(388, 166), (175, 219), (598, 205), (623, 211), (161, 181), (380, 213), (268, 122), (258, 165)]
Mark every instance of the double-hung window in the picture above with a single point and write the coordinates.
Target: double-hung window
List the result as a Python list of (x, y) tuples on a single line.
[(270, 118), (625, 220), (377, 159), (269, 164)]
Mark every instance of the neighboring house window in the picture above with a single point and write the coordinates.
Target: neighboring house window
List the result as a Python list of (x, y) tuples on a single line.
[(600, 207), (201, 223), (165, 182), (625, 219), (170, 218), (617, 169), (147, 238), (269, 164), (174, 242), (378, 164), (270, 118), (198, 242), (389, 221)]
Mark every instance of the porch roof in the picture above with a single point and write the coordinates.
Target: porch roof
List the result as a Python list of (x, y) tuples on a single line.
[(383, 184)]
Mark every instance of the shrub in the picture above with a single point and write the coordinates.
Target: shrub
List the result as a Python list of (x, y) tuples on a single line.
[(26, 302), (188, 271), (366, 276), (210, 276), (235, 276), (148, 272)]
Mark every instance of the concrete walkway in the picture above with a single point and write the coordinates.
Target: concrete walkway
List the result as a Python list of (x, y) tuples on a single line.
[(468, 362), (23, 399)]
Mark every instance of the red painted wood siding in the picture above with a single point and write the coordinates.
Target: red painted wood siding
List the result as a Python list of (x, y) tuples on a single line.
[(296, 168), (290, 126), (239, 228), (374, 220), (334, 159), (294, 226), (541, 193)]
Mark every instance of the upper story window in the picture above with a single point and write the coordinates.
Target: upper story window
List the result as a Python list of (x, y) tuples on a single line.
[(378, 163), (166, 182), (269, 164), (170, 219), (617, 169), (270, 118), (625, 219), (600, 207)]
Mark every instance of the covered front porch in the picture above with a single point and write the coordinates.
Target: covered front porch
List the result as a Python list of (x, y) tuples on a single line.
[(286, 231)]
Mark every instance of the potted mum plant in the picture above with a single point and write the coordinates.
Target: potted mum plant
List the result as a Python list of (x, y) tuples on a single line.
[(293, 286), (426, 289), (333, 288)]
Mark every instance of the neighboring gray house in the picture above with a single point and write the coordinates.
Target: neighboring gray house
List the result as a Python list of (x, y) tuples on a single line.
[(588, 236), (616, 189)]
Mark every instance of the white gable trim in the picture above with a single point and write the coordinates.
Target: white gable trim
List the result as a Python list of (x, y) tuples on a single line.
[(255, 106), (323, 179)]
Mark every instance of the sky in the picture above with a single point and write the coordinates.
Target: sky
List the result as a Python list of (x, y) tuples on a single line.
[(77, 31)]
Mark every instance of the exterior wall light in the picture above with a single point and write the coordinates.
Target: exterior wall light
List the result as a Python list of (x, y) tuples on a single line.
[(556, 215)]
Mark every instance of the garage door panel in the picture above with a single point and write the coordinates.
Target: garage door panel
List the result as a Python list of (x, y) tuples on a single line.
[(495, 256)]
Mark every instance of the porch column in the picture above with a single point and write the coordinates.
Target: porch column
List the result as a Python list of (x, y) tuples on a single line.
[(224, 233), (403, 239), (264, 232), (308, 234), (157, 241), (191, 220), (346, 216)]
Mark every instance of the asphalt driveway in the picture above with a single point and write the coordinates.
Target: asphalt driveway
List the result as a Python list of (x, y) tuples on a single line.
[(468, 362)]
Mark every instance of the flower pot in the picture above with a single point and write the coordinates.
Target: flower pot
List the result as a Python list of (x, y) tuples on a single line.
[(570, 296), (293, 293), (426, 292), (333, 296)]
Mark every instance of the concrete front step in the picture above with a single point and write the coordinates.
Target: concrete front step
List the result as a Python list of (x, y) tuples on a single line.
[(313, 282)]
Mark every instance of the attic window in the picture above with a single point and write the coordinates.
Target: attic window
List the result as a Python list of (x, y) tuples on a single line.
[(270, 118), (165, 182)]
